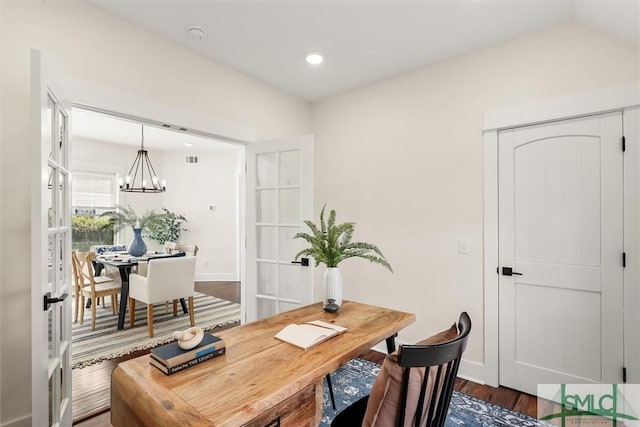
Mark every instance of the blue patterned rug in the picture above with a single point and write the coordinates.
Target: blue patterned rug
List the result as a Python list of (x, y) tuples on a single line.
[(355, 379)]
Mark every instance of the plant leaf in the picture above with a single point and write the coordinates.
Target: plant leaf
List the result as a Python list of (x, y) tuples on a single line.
[(330, 243)]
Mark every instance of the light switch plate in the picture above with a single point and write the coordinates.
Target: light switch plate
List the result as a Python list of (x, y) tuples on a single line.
[(464, 246)]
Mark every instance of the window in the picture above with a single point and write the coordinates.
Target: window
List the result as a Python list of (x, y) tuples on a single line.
[(93, 194)]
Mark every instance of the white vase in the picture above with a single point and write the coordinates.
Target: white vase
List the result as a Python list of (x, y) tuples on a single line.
[(332, 288)]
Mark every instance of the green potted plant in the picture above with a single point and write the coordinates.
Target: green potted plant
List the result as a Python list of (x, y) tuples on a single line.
[(168, 227), (330, 244), (126, 217)]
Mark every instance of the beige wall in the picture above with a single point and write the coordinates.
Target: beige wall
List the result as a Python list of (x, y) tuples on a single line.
[(211, 181), (90, 48), (403, 159)]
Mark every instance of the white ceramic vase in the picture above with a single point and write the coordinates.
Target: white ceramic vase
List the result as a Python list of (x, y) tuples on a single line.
[(332, 288)]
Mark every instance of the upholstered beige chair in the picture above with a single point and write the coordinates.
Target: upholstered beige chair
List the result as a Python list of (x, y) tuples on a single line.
[(172, 248), (167, 279)]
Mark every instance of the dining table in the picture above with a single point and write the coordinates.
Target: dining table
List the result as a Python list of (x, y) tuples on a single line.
[(125, 263)]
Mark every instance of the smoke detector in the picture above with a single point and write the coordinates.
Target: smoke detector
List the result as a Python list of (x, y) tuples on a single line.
[(197, 33)]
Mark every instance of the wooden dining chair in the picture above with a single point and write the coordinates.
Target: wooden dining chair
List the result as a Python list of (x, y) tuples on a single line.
[(87, 285), (79, 281), (414, 386)]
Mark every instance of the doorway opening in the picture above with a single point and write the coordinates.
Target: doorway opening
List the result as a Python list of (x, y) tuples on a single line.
[(203, 176)]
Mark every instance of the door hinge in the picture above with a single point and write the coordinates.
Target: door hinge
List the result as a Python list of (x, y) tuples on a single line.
[(624, 374), (624, 259), (624, 144)]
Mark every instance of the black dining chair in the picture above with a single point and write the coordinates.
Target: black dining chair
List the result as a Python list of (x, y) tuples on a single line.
[(415, 387)]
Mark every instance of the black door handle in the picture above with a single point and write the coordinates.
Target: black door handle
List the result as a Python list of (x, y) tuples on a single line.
[(508, 271), (48, 300), (303, 261)]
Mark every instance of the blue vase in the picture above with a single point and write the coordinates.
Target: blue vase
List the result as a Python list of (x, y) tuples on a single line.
[(137, 247)]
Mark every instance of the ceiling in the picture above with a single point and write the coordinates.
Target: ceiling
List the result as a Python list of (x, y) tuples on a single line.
[(362, 40), (104, 128)]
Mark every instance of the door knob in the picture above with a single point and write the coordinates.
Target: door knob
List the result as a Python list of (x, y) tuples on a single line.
[(303, 261), (508, 271), (48, 300)]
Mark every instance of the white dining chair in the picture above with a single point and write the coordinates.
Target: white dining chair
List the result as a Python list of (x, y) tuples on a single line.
[(167, 279)]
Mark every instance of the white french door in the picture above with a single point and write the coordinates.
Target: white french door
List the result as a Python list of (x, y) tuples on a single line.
[(561, 234), (279, 183), (50, 254)]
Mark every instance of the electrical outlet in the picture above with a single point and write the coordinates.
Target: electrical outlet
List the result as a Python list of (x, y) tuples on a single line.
[(464, 246)]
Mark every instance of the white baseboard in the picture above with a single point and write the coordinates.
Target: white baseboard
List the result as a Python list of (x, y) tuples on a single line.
[(19, 422), (216, 277), (472, 371), (381, 347)]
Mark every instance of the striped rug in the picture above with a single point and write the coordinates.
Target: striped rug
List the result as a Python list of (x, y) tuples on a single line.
[(106, 342)]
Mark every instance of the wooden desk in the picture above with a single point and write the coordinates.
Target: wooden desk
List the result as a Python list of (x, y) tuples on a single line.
[(259, 380)]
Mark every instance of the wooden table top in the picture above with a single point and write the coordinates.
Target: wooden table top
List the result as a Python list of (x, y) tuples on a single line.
[(257, 372)]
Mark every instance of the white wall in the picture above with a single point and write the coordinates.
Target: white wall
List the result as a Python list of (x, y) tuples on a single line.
[(211, 181), (90, 48), (403, 159)]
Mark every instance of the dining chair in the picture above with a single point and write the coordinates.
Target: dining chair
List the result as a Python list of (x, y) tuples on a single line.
[(173, 247), (414, 386), (79, 282), (189, 249), (167, 279), (87, 285)]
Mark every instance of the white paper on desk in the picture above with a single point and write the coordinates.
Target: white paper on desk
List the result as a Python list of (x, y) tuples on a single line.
[(308, 334)]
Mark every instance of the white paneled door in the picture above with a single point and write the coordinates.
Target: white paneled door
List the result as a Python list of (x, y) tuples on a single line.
[(279, 198), (50, 253), (561, 234)]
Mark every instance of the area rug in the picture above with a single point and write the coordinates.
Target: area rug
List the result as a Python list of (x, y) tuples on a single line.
[(107, 342), (355, 379)]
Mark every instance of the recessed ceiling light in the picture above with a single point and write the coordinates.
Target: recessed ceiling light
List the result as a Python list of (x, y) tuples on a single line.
[(314, 58), (197, 33), (188, 144)]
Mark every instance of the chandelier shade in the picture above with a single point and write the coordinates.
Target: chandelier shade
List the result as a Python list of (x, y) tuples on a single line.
[(142, 177)]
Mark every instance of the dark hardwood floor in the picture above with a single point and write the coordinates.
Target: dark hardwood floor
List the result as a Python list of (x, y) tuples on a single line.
[(91, 385)]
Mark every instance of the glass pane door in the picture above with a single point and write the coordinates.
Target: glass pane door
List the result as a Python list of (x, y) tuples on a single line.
[(279, 198), (58, 283)]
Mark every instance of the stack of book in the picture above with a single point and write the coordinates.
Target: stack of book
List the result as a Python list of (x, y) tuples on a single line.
[(170, 358)]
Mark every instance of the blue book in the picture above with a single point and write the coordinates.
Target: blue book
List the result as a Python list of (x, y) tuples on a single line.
[(171, 354), (171, 370)]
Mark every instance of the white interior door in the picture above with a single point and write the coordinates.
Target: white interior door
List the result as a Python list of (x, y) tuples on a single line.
[(561, 230), (50, 254), (279, 197)]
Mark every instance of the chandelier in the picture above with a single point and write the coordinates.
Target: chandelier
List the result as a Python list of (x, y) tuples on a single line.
[(142, 178)]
